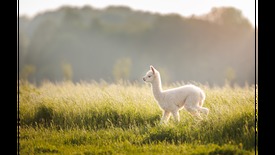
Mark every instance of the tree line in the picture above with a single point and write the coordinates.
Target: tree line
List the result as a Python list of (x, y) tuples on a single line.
[(119, 43)]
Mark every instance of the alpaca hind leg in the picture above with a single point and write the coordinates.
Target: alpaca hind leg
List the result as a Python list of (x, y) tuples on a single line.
[(204, 110), (201, 103), (192, 106), (165, 117), (194, 111), (176, 116)]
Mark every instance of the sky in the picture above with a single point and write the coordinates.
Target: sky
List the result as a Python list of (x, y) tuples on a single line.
[(183, 7)]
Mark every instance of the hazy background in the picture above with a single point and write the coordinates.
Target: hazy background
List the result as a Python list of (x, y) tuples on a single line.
[(117, 42)]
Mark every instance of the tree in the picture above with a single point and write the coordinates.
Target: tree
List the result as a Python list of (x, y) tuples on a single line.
[(122, 68), (67, 71), (230, 75), (27, 71), (228, 16)]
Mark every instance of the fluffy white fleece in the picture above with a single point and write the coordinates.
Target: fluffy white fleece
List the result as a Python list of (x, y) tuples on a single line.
[(170, 101)]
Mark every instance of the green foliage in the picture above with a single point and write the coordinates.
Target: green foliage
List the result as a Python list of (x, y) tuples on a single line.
[(102, 118)]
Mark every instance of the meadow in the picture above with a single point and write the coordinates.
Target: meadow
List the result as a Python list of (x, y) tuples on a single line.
[(88, 118)]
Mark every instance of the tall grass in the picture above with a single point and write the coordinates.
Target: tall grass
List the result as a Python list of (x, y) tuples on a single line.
[(126, 114)]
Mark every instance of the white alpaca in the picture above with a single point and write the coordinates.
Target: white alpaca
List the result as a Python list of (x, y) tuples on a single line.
[(170, 101)]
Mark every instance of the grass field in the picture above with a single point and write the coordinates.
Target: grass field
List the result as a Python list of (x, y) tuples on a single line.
[(123, 118)]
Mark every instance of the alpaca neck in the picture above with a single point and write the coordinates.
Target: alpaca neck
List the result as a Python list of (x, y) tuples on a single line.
[(157, 88)]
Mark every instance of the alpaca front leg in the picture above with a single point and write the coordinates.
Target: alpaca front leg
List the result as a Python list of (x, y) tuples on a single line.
[(165, 117)]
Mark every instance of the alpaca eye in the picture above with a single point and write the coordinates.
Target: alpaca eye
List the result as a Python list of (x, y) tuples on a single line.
[(149, 76)]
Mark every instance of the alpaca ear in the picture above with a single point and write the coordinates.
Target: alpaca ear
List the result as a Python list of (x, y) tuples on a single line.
[(152, 68)]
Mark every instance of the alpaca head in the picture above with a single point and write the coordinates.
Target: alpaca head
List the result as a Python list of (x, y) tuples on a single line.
[(151, 75)]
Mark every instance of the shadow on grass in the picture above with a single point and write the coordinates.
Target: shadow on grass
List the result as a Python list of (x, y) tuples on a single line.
[(238, 131)]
